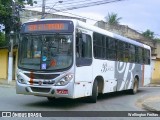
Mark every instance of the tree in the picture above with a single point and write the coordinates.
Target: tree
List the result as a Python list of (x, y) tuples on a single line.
[(157, 39), (112, 19), (148, 34), (2, 39), (9, 15)]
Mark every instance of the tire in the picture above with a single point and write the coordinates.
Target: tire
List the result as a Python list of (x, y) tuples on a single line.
[(93, 97), (135, 87), (50, 99)]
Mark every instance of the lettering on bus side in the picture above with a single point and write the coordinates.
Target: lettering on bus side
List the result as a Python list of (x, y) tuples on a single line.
[(106, 67)]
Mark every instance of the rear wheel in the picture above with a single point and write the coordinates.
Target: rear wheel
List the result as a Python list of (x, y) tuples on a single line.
[(93, 97), (135, 87)]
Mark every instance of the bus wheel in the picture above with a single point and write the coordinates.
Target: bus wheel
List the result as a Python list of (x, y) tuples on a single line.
[(93, 97), (51, 99), (135, 87)]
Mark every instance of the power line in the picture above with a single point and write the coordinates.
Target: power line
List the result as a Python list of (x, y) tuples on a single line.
[(82, 4), (77, 15), (69, 2), (89, 4)]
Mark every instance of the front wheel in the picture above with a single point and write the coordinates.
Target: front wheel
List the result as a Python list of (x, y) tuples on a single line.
[(93, 97)]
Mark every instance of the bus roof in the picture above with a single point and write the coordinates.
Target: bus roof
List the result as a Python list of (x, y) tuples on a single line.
[(98, 30), (110, 34)]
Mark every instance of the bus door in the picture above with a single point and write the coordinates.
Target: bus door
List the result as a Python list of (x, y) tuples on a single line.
[(83, 72)]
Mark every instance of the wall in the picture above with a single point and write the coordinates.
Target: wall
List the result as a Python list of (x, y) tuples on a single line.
[(156, 71), (3, 63), (157, 51)]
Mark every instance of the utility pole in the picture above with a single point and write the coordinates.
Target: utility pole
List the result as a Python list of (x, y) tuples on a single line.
[(10, 59), (43, 8)]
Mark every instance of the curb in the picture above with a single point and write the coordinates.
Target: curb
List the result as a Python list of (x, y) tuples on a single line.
[(4, 83), (153, 85), (7, 86), (149, 107), (149, 103)]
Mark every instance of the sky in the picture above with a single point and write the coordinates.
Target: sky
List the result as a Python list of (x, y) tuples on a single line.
[(139, 15)]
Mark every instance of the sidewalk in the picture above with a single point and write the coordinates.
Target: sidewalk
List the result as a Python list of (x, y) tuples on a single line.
[(149, 103), (152, 103), (4, 83)]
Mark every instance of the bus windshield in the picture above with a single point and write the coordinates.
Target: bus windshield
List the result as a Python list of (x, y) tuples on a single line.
[(46, 52)]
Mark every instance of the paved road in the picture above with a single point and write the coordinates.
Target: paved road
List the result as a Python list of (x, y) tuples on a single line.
[(121, 101)]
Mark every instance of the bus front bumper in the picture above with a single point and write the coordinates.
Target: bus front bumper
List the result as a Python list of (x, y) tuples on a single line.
[(45, 91)]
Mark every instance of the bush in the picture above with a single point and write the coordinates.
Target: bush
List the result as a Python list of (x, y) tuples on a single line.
[(2, 39)]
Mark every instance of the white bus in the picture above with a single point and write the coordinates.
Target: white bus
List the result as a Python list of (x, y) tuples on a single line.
[(71, 59)]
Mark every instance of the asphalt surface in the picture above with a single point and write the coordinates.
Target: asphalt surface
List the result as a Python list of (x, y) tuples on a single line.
[(149, 103)]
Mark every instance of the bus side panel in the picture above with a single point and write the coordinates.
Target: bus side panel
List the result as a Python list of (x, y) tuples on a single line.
[(106, 70), (147, 74), (83, 81), (125, 73)]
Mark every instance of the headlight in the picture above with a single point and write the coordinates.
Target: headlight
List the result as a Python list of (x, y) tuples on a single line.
[(65, 80), (20, 79)]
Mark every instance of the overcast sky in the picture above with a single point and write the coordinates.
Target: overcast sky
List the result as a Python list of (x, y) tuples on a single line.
[(137, 14)]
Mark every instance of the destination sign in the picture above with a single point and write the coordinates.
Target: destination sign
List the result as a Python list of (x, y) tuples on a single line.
[(48, 26)]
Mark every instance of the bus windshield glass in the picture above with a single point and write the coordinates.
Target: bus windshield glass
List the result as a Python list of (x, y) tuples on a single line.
[(46, 52)]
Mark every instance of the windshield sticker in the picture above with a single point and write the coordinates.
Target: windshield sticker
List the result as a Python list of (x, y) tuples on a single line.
[(37, 54), (44, 58), (43, 66), (53, 63)]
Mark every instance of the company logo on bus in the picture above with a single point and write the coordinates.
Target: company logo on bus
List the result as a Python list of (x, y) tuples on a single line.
[(106, 67), (40, 82)]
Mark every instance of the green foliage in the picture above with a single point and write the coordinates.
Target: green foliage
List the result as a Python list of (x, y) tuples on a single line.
[(148, 34), (112, 19), (2, 39), (9, 15), (157, 39)]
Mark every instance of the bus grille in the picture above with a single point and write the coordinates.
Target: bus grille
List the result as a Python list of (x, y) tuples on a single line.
[(41, 76), (36, 89)]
